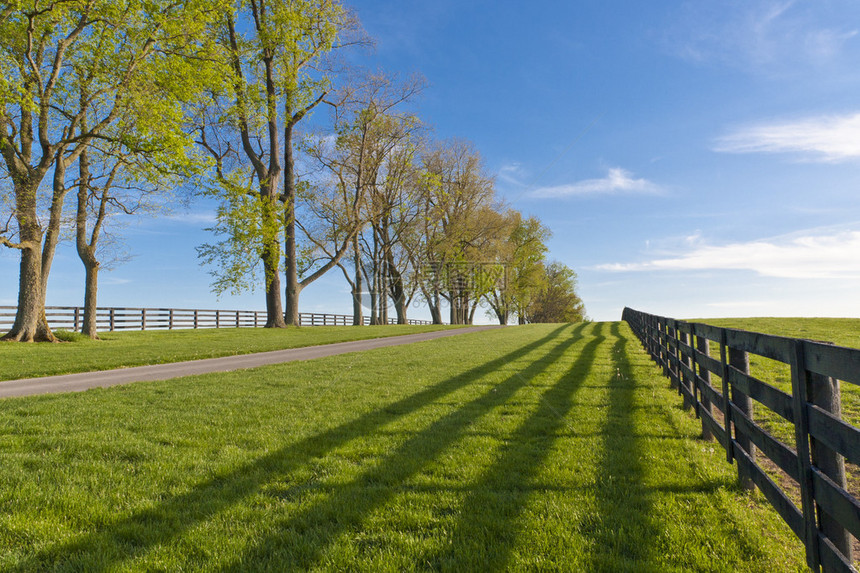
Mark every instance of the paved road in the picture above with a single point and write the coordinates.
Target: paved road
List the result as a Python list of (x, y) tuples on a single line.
[(106, 378)]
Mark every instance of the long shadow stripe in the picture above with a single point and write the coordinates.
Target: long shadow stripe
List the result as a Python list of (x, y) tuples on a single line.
[(174, 515), (497, 499), (353, 501), (626, 534)]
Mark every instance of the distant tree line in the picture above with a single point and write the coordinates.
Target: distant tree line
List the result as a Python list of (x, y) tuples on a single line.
[(121, 107)]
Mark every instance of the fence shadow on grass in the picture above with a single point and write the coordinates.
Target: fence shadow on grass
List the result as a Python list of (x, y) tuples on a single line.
[(300, 541), (487, 530), (116, 543)]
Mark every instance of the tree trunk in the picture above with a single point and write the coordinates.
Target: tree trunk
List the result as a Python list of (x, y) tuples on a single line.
[(501, 315), (357, 312), (271, 258), (398, 293), (472, 313), (91, 299), (374, 306), (30, 322), (274, 309), (291, 308), (435, 308)]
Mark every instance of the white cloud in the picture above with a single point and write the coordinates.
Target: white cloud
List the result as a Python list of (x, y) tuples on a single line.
[(764, 35), (512, 173), (206, 217), (804, 256), (109, 280), (617, 181), (825, 138)]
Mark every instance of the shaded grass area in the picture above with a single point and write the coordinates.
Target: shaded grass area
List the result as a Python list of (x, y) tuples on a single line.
[(123, 349), (542, 447)]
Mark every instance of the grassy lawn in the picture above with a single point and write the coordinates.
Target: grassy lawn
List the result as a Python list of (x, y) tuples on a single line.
[(123, 349), (543, 447)]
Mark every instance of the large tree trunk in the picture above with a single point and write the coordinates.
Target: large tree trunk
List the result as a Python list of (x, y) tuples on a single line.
[(291, 309), (30, 322), (271, 259)]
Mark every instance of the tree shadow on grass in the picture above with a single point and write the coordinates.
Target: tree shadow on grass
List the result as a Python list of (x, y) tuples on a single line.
[(487, 530), (118, 542), (299, 542), (622, 531)]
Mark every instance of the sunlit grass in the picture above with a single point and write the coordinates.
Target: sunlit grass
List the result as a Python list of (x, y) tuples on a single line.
[(122, 349), (543, 447)]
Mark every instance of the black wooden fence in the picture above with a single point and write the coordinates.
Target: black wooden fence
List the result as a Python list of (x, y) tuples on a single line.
[(829, 514), (71, 318)]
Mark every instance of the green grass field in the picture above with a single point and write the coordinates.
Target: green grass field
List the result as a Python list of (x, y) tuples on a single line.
[(123, 349), (542, 447)]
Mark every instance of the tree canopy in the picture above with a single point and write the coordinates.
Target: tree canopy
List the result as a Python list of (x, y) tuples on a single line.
[(121, 100)]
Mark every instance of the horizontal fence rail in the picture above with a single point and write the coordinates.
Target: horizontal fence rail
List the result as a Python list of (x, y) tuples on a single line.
[(722, 392), (114, 318)]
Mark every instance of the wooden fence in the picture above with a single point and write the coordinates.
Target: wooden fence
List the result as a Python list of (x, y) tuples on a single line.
[(71, 318), (829, 514)]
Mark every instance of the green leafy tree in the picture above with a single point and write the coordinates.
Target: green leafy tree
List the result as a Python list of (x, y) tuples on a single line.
[(69, 71), (277, 50), (461, 221), (556, 300), (522, 258)]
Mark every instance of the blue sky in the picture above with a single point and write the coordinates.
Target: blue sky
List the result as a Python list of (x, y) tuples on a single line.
[(693, 159)]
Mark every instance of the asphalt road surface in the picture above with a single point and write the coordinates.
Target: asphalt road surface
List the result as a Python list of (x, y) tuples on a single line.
[(105, 378)]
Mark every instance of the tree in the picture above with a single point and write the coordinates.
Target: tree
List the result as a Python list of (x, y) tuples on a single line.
[(61, 63), (522, 256), (276, 50), (116, 180), (374, 154), (460, 220), (317, 27), (556, 300)]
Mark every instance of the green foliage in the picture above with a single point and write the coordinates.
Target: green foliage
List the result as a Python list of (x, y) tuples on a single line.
[(249, 222), (521, 449), (274, 51), (556, 299)]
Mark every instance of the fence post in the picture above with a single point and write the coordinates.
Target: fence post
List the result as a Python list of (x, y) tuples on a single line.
[(170, 320), (739, 359), (664, 346), (823, 392), (672, 355), (237, 319), (143, 319), (77, 317), (112, 321), (688, 384), (705, 374), (727, 411), (799, 387)]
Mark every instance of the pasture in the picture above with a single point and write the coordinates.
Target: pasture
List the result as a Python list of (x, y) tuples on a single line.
[(551, 447)]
